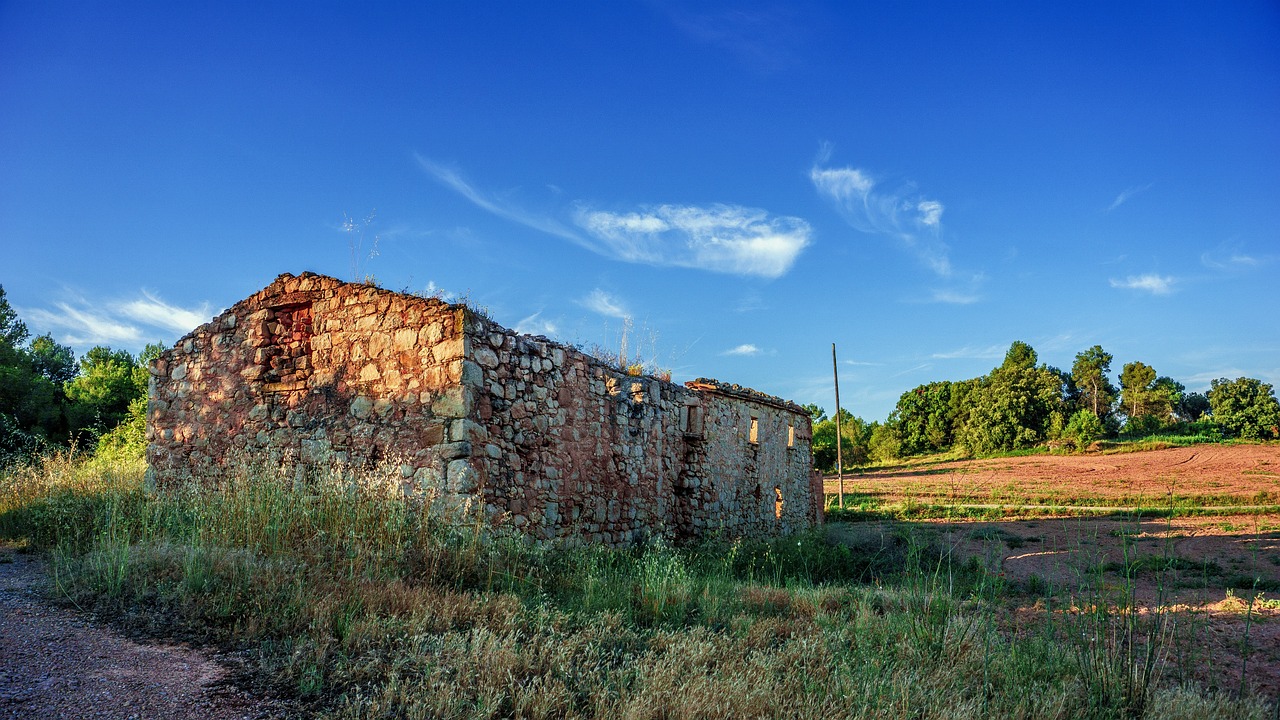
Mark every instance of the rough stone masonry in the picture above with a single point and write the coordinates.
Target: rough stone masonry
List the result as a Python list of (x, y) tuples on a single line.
[(315, 372)]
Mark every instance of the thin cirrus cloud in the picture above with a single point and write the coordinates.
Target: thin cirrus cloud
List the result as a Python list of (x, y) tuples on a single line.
[(953, 297), (1231, 261), (744, 350), (151, 310), (764, 39), (84, 326), (602, 303), (721, 238), (1127, 195), (535, 324), (82, 323), (970, 352), (901, 214), (1150, 282), (453, 180)]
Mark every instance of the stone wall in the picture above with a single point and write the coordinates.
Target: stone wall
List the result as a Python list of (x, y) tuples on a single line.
[(312, 371)]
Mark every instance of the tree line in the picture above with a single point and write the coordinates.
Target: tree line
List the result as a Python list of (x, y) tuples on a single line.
[(49, 399), (1023, 404)]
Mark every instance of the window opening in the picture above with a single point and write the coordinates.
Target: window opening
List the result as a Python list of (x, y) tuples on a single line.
[(691, 419), (777, 503), (754, 437), (791, 435)]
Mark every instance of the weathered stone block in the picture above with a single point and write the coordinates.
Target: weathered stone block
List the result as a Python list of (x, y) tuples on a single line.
[(452, 403), (361, 407), (455, 450), (462, 478)]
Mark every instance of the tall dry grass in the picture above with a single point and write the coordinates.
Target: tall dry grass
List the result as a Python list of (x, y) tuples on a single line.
[(368, 606)]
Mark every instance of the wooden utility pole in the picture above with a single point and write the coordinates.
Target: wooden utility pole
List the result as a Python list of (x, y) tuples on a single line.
[(835, 370)]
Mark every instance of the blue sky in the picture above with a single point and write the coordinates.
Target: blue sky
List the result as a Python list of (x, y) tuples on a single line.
[(920, 183)]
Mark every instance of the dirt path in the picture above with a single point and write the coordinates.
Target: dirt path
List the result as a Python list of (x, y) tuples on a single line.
[(56, 663)]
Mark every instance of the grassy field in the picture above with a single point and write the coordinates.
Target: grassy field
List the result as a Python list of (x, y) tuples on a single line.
[(365, 606)]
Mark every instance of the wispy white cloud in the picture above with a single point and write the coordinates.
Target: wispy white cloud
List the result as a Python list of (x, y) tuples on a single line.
[(1061, 341), (435, 291), (899, 213), (601, 302), (501, 207), (1232, 260), (760, 38), (1127, 195), (720, 238), (129, 323), (83, 326), (955, 298), (969, 352), (746, 349), (1150, 282), (860, 363), (535, 324), (151, 310), (921, 366), (751, 302), (1201, 382), (930, 212)]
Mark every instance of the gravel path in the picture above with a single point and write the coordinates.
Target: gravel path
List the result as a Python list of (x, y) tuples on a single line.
[(56, 663)]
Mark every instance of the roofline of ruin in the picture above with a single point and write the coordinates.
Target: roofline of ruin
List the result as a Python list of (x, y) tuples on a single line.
[(708, 386)]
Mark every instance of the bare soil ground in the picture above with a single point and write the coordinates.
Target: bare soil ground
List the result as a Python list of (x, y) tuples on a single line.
[(1216, 474), (1205, 571), (57, 663)]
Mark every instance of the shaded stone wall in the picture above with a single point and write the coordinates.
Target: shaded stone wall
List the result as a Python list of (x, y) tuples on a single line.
[(751, 486), (312, 371)]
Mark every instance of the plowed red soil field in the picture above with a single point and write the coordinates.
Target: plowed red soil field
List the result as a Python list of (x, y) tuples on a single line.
[(1210, 474)]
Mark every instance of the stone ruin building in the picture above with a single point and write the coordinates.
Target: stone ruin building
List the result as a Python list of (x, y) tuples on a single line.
[(315, 372)]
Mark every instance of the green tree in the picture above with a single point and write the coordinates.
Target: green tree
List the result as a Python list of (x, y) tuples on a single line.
[(127, 440), (1136, 383), (1245, 407), (53, 361), (31, 408), (885, 443), (924, 419), (1013, 406), (1090, 377), (1165, 399), (1193, 406), (1020, 355), (1084, 427), (855, 436), (816, 413), (13, 332), (31, 403), (101, 393)]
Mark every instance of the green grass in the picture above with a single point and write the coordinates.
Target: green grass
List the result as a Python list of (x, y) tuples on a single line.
[(365, 606), (872, 506), (1174, 437)]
